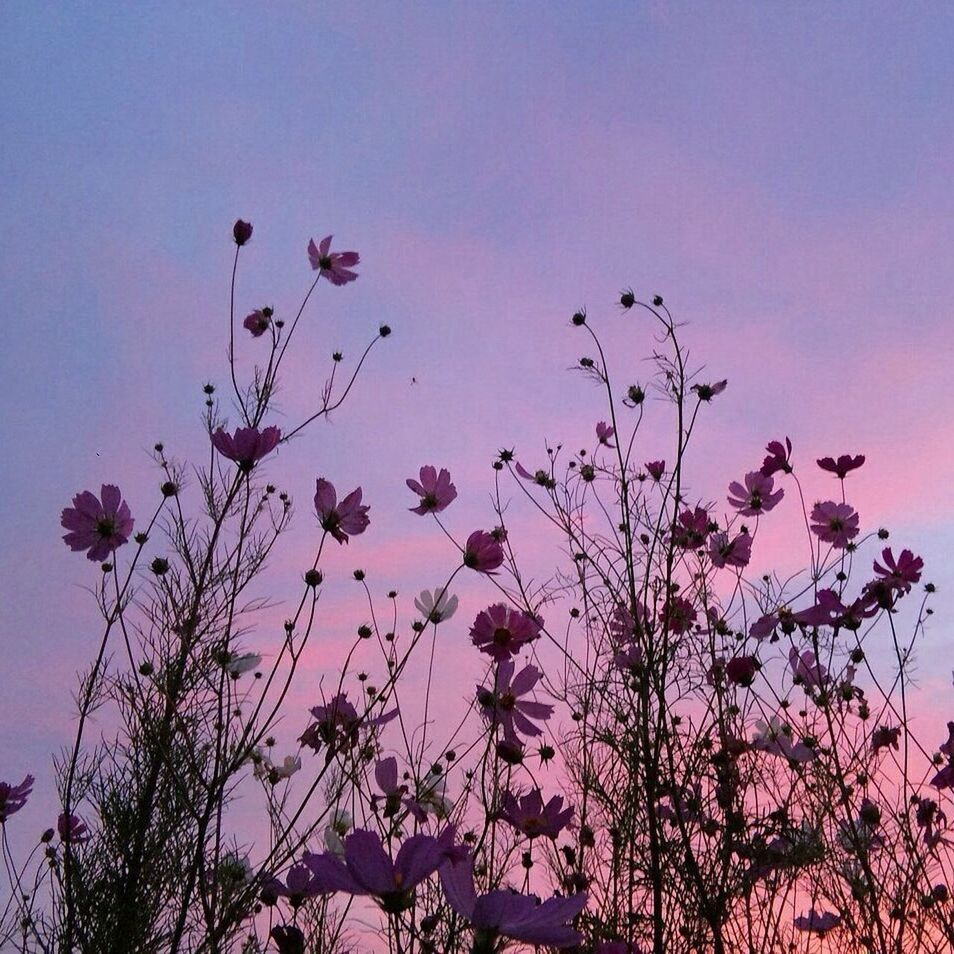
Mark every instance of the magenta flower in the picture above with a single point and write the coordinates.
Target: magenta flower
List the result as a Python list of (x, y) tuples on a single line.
[(947, 748), (504, 706), (741, 670), (247, 445), (604, 434), (14, 797), (725, 552), (706, 392), (368, 869), (335, 266), (299, 884), (338, 724), (482, 552), (656, 469), (885, 737), (691, 529), (902, 573), (395, 795), (629, 658), (531, 817), (764, 626), (756, 497), (241, 232), (835, 523), (842, 466), (502, 632), (258, 322), (435, 490), (506, 914), (779, 458), (349, 518), (818, 922), (72, 829), (827, 611), (806, 669), (98, 525), (678, 615)]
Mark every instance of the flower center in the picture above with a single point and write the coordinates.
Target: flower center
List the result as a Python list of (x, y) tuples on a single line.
[(502, 636), (105, 526)]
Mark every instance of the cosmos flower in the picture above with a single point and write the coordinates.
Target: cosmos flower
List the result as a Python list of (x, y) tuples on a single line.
[(806, 669), (435, 490), (756, 497), (900, 573), (483, 553), (817, 922), (741, 670), (335, 266), (655, 469), (507, 914), (706, 392), (502, 632), (504, 705), (678, 615), (241, 232), (436, 605), (14, 797), (97, 525), (725, 552), (337, 724), (835, 523), (885, 737), (258, 322), (341, 520), (288, 938), (247, 445), (691, 529), (531, 817), (339, 826), (604, 434), (240, 663), (775, 738), (841, 467), (72, 829), (779, 458)]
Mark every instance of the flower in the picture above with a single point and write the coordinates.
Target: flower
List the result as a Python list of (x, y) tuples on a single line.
[(775, 738), (237, 664), (482, 552), (691, 528), (519, 917), (725, 552), (258, 322), (656, 468), (678, 615), (756, 497), (884, 737), (72, 829), (779, 458), (900, 573), (706, 392), (502, 632), (764, 626), (818, 922), (97, 525), (532, 818), (367, 868), (741, 670), (265, 768), (341, 823), (335, 266), (540, 477), (349, 518), (504, 706), (604, 434), (288, 939), (435, 490), (436, 605), (14, 797), (842, 466), (300, 883), (827, 611), (338, 723), (834, 523), (806, 669), (241, 232), (247, 445)]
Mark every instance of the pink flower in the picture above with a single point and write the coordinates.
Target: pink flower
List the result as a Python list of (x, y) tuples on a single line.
[(842, 466), (504, 705), (505, 914), (691, 529), (756, 497), (341, 520), (806, 669), (338, 725), (725, 552), (902, 573), (335, 266), (435, 490), (706, 392), (764, 626), (247, 445), (532, 818), (14, 797), (741, 670), (678, 615), (884, 737), (258, 322), (827, 611), (541, 478), (98, 525), (395, 795), (947, 748), (656, 468), (834, 523), (241, 232), (604, 434), (71, 829), (482, 552), (818, 922), (779, 458), (502, 632)]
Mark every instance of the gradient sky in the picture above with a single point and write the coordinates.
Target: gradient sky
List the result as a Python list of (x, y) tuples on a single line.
[(780, 172)]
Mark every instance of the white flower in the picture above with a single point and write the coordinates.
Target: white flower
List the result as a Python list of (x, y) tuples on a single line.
[(242, 663), (436, 606), (341, 822), (290, 765), (433, 796)]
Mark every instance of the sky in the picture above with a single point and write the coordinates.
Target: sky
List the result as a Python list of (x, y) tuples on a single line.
[(779, 172)]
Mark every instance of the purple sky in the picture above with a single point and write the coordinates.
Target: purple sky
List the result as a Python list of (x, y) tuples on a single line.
[(780, 172)]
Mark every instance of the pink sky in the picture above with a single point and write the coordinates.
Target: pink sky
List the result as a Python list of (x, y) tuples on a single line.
[(780, 173)]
